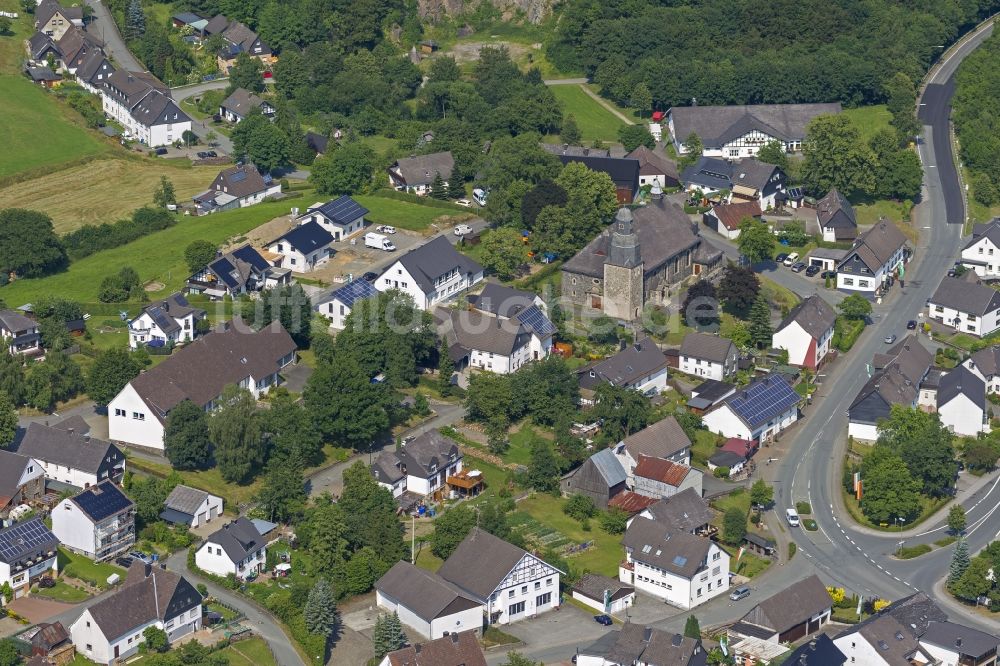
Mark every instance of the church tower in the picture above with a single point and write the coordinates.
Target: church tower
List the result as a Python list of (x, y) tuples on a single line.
[(623, 277)]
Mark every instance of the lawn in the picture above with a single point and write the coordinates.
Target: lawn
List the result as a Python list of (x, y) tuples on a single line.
[(159, 256), (869, 119), (62, 592), (37, 132), (595, 122), (209, 480), (776, 294), (104, 190), (85, 569), (871, 212), (519, 452), (602, 557), (406, 215), (703, 447), (251, 652)]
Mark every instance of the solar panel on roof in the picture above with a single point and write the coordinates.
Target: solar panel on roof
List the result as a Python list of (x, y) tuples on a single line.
[(763, 400), (102, 501), (680, 560), (355, 291), (24, 538), (534, 319), (238, 176)]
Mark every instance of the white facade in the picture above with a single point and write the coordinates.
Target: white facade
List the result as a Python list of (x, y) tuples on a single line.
[(151, 135), (866, 432), (963, 417), (335, 311), (338, 230), (992, 381), (212, 557), (499, 363), (20, 582), (703, 367), (709, 582), (964, 322), (427, 485), (131, 420), (396, 276), (465, 620), (298, 261), (724, 421), (98, 541), (858, 650), (655, 488), (983, 257), (206, 512), (870, 283), (617, 606), (92, 643), (73, 476), (803, 350), (747, 145), (531, 589), (144, 329)]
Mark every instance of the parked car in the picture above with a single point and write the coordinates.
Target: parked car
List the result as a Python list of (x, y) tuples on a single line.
[(889, 339), (798, 266), (952, 272), (142, 557), (791, 259), (781, 258), (203, 154), (911, 325), (46, 581), (124, 561), (464, 202), (479, 194), (742, 592), (161, 151), (369, 276), (604, 619), (829, 274), (385, 229), (812, 270), (462, 230), (212, 153)]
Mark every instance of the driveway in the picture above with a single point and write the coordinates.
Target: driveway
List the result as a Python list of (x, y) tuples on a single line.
[(296, 377), (38, 609)]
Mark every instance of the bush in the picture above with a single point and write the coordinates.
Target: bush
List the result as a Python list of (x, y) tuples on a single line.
[(721, 472), (803, 508), (810, 524), (579, 507), (846, 332), (909, 552), (90, 238), (791, 549)]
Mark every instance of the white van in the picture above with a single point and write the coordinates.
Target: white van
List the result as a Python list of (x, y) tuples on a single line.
[(792, 517), (379, 242), (479, 194)]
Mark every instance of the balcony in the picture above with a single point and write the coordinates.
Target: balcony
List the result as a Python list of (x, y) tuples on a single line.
[(628, 566)]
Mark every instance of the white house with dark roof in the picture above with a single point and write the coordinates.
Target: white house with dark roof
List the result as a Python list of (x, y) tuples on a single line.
[(982, 253), (594, 590), (837, 221), (147, 113), (239, 271), (954, 644), (22, 481), (191, 507), (237, 548), (427, 603), (806, 332), (420, 467), (510, 582), (416, 174), (21, 333), (241, 102), (431, 273), (748, 180), (966, 305), (70, 455), (876, 255), (522, 308), (683, 569), (664, 439), (758, 412), (654, 168), (705, 355), (961, 402), (111, 629), (199, 372), (236, 187), (98, 522), (170, 320), (342, 217), (640, 366), (640, 645), (28, 551), (303, 248), (337, 303), (685, 511), (986, 364), (733, 132), (54, 20), (94, 70), (898, 377)]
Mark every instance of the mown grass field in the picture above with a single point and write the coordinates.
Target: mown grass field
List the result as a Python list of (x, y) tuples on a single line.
[(36, 131), (159, 256), (595, 122), (252, 652), (406, 215), (869, 119), (80, 195)]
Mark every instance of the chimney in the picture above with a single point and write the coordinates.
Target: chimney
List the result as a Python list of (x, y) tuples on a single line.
[(454, 638)]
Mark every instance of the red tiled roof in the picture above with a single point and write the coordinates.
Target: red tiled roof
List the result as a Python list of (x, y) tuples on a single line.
[(730, 215), (740, 447), (631, 502), (661, 470)]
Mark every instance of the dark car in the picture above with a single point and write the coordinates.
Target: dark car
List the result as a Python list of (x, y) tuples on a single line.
[(829, 274), (781, 257), (911, 325), (124, 561), (211, 153), (812, 270), (604, 619), (798, 267), (369, 276), (202, 154), (952, 272), (46, 581), (161, 151)]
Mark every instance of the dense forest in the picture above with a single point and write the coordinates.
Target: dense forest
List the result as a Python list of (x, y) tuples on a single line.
[(757, 51), (977, 119)]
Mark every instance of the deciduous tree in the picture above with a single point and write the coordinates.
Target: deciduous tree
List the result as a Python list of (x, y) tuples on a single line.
[(261, 142), (761, 493), (773, 152), (283, 495), (623, 411), (890, 492), (633, 136), (503, 252), (234, 428), (164, 194), (8, 421), (543, 467), (739, 288), (345, 406), (756, 242), (734, 526), (446, 369), (450, 528), (924, 444), (975, 581), (835, 156), (700, 308), (855, 306), (199, 254), (186, 438), (956, 518), (29, 246), (247, 73), (570, 132)]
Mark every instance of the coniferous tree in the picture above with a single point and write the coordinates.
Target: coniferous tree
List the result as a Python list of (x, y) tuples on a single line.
[(387, 635), (570, 132), (456, 187), (438, 190), (760, 322), (959, 562), (692, 629), (135, 20), (321, 609), (446, 368)]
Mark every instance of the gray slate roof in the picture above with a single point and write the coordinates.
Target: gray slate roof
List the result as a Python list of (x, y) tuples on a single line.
[(987, 360), (663, 230), (426, 594), (434, 259), (684, 511), (15, 322), (140, 600), (242, 102), (501, 300), (813, 314), (968, 297), (989, 230), (11, 468), (473, 330), (422, 169), (480, 563), (662, 439), (593, 586), (456, 649), (716, 125), (835, 211), (238, 538), (185, 499), (166, 312), (660, 545), (818, 651), (430, 450), (796, 603), (915, 612), (963, 381), (892, 642), (574, 151), (627, 366), (959, 638), (241, 180), (652, 163), (875, 247), (710, 347), (57, 445)]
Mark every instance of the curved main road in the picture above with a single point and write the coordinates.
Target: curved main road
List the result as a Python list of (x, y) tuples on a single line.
[(862, 560)]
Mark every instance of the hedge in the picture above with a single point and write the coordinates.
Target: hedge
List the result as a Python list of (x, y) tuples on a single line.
[(420, 201), (846, 332), (90, 238)]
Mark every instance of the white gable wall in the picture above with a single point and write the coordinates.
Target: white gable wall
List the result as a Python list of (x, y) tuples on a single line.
[(675, 589), (983, 257), (962, 416), (471, 618), (130, 420), (530, 589), (74, 528)]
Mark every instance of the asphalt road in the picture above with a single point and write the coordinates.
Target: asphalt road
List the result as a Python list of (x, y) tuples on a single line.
[(861, 560), (103, 26), (199, 127)]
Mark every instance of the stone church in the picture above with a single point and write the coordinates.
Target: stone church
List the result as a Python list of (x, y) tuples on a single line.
[(641, 258)]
